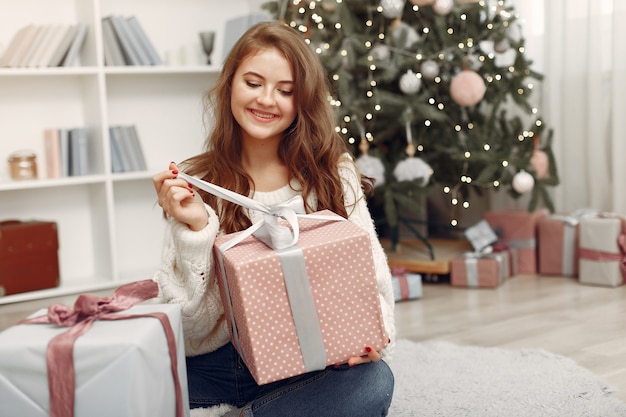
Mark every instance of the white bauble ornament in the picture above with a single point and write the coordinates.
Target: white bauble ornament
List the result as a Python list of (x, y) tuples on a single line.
[(523, 182), (429, 69), (410, 83), (392, 8), (380, 52), (467, 88), (411, 169), (372, 167), (443, 7), (422, 2)]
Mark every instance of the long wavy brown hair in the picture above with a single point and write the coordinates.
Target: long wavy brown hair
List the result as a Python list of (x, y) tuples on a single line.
[(310, 148)]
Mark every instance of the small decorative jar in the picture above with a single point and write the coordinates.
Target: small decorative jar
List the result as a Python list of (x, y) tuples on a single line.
[(23, 165)]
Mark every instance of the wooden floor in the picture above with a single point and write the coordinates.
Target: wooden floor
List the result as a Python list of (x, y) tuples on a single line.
[(585, 323)]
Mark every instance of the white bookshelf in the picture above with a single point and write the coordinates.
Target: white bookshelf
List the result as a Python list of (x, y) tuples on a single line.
[(110, 227)]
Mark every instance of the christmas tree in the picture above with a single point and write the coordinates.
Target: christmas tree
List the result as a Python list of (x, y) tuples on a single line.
[(431, 95)]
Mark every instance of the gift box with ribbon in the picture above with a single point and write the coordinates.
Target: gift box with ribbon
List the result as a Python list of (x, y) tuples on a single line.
[(479, 270), (406, 285), (102, 357), (557, 240), (517, 229), (299, 290), (602, 250)]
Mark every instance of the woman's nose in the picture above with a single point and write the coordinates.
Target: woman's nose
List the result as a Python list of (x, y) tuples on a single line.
[(266, 97)]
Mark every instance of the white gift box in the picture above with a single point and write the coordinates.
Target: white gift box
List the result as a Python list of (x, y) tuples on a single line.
[(122, 367)]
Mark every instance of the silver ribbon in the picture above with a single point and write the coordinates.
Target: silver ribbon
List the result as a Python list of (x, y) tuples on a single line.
[(471, 266), (281, 238), (569, 249)]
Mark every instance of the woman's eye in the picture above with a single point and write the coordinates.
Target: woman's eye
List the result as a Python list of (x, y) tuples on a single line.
[(252, 84), (286, 92)]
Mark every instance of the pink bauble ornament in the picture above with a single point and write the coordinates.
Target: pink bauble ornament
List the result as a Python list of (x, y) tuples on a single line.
[(467, 88), (523, 182), (540, 163)]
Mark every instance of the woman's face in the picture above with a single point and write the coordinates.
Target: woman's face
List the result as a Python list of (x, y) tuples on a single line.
[(262, 97)]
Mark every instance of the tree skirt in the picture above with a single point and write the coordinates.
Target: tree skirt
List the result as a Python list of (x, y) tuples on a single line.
[(448, 380)]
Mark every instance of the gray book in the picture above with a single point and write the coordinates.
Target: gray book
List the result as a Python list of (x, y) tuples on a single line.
[(119, 137), (117, 164), (77, 43), (64, 151), (79, 151), (136, 151), (113, 55), (145, 43), (64, 46), (130, 46)]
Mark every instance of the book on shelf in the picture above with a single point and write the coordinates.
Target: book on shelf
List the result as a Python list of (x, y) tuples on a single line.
[(35, 47), (55, 37), (63, 46), (64, 151), (129, 48), (136, 47), (126, 150), (71, 56), (40, 46), (79, 152), (60, 155), (52, 148), (113, 55), (18, 46), (144, 41)]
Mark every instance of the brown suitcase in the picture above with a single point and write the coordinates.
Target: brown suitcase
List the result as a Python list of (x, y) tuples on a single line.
[(29, 257)]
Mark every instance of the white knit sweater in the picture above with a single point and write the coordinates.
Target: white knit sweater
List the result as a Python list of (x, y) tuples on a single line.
[(186, 275)]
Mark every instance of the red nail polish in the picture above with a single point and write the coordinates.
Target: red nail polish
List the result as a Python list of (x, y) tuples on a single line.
[(174, 172), (189, 185), (367, 348)]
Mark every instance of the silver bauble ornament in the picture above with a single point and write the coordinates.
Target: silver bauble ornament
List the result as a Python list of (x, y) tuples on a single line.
[(422, 2), (380, 52), (429, 69), (410, 83), (392, 8), (523, 182)]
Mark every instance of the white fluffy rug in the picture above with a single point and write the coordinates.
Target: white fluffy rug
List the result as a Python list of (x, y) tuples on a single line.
[(447, 380)]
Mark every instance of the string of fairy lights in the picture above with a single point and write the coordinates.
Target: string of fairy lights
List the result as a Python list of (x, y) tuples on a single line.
[(308, 15)]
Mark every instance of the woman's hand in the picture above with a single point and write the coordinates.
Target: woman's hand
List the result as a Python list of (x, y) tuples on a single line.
[(372, 356), (179, 200)]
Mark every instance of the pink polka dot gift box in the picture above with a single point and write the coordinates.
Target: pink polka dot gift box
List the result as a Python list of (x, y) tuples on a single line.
[(305, 307)]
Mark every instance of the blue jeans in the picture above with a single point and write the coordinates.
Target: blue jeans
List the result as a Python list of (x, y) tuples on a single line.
[(222, 377)]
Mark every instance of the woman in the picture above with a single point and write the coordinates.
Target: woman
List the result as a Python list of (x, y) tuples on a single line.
[(273, 137)]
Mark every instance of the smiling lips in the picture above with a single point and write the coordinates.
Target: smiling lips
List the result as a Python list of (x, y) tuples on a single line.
[(263, 115)]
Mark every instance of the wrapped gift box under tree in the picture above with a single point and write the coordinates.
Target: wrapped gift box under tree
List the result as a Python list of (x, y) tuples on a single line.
[(517, 230), (602, 250)]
